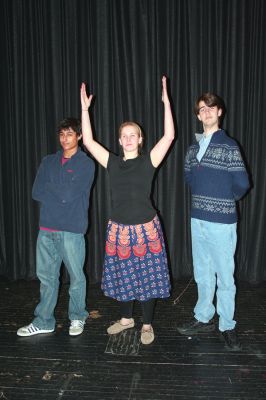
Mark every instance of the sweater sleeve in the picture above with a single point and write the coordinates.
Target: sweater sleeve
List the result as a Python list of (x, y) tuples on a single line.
[(236, 167), (38, 189), (68, 192), (187, 168)]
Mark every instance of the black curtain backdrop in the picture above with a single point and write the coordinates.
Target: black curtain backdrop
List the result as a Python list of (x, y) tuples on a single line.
[(121, 48)]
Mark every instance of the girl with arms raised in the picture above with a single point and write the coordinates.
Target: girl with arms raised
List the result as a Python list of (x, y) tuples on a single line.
[(135, 264)]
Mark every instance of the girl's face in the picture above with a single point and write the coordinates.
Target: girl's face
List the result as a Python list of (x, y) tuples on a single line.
[(130, 139)]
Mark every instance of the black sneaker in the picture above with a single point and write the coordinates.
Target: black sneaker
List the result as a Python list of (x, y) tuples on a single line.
[(195, 326), (231, 341)]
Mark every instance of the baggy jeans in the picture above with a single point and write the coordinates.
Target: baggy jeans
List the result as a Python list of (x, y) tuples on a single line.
[(213, 249), (52, 249)]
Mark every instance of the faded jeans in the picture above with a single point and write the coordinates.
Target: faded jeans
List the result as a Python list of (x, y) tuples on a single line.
[(213, 249), (52, 249)]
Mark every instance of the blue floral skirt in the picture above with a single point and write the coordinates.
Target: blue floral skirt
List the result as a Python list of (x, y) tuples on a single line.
[(135, 263)]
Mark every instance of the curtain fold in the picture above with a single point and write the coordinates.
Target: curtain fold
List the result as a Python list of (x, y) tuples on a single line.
[(121, 48)]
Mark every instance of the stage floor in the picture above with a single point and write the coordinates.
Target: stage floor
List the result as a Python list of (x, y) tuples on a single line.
[(96, 366)]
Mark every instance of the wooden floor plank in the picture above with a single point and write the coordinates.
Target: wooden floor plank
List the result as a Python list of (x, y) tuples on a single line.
[(96, 366)]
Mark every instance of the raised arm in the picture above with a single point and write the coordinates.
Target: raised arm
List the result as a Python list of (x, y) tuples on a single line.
[(160, 149), (98, 151)]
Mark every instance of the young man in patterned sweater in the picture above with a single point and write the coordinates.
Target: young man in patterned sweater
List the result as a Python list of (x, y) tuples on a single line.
[(216, 175)]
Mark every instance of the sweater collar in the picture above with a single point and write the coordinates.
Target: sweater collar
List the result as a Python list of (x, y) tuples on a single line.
[(61, 153), (198, 136)]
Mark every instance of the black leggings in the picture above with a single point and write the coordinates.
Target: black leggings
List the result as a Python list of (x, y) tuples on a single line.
[(126, 309)]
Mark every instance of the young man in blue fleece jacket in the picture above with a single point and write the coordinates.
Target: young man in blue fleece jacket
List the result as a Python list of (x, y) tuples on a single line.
[(62, 186), (216, 175)]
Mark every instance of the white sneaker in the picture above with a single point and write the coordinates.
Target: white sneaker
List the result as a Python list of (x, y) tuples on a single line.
[(30, 330), (76, 327)]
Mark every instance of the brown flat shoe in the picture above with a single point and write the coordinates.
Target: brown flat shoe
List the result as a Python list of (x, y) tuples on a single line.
[(118, 327), (147, 336)]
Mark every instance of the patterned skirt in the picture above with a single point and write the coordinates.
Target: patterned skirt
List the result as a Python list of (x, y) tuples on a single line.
[(135, 263)]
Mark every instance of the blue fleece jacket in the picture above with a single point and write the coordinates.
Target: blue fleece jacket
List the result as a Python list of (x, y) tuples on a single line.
[(63, 191), (217, 181)]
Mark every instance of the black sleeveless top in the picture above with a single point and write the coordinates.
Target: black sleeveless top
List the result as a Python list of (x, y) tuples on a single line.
[(130, 183)]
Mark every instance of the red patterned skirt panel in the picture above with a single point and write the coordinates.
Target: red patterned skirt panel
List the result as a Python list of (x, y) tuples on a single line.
[(135, 264)]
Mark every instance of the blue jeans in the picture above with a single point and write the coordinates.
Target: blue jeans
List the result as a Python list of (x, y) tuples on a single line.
[(213, 249), (52, 249)]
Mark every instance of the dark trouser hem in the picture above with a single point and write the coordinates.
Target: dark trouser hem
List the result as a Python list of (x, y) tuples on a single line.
[(126, 309)]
